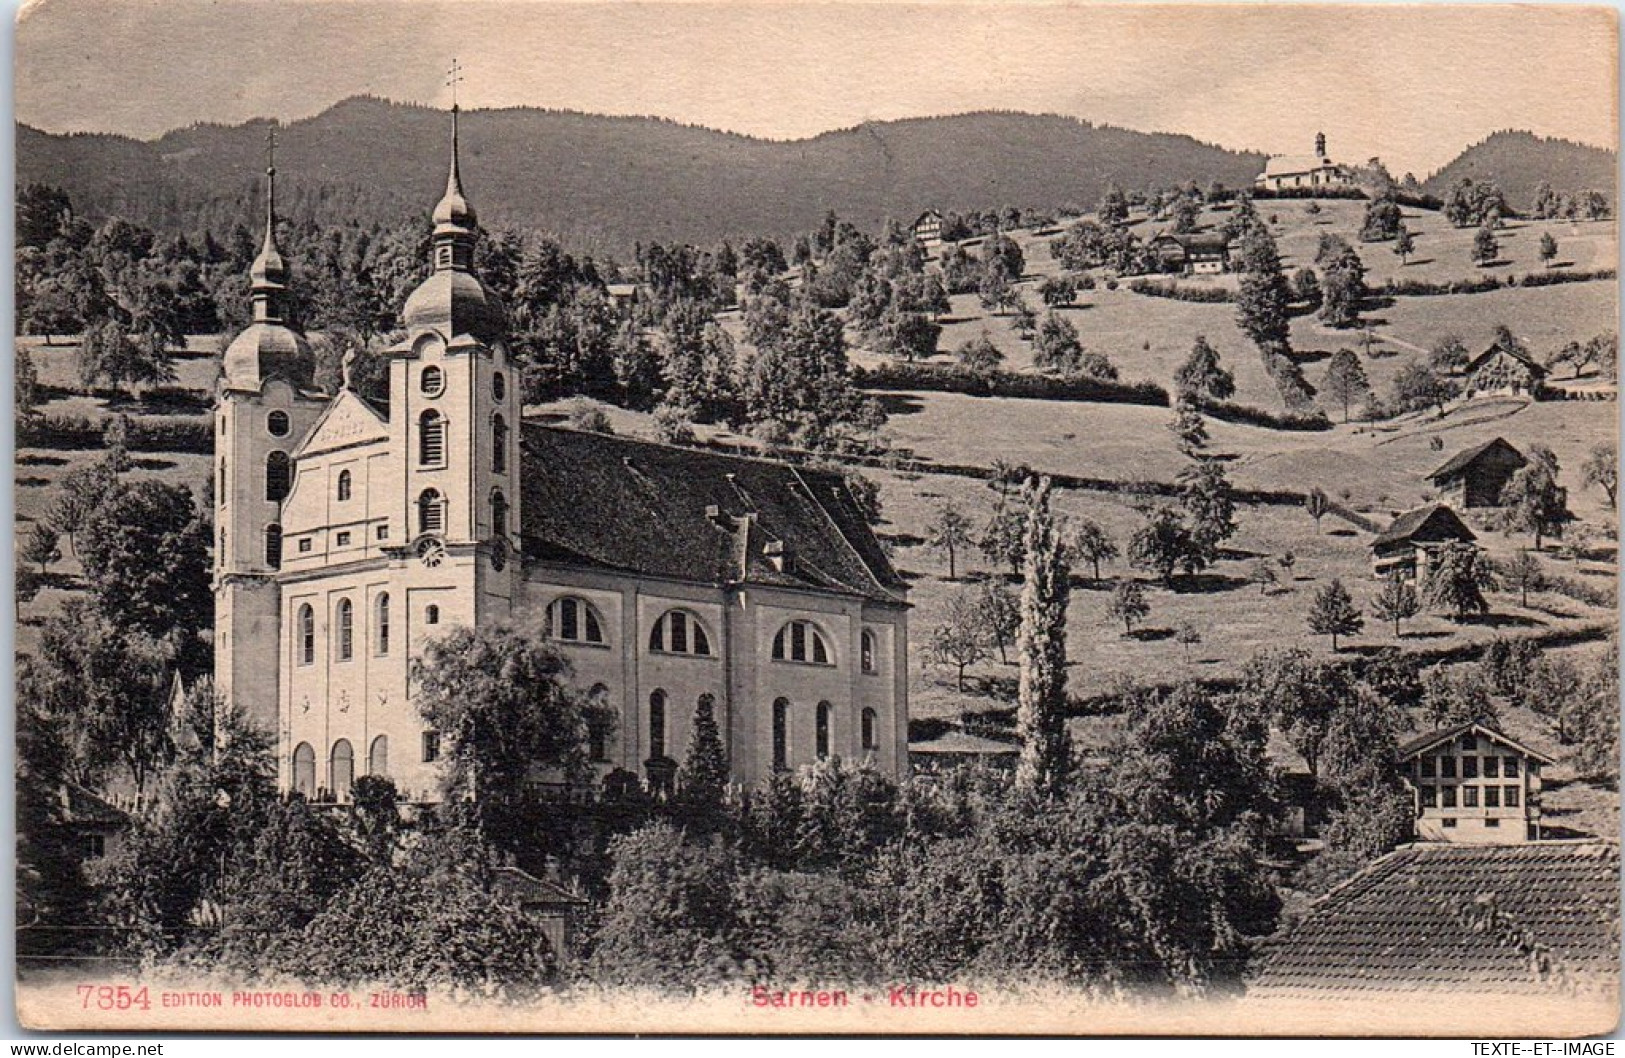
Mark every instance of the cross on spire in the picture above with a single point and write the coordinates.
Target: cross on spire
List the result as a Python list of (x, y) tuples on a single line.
[(454, 77)]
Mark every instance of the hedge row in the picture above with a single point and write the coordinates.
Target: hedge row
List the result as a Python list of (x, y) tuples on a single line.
[(146, 434), (1176, 292), (938, 378), (1423, 288), (1603, 595), (1274, 420), (1547, 279)]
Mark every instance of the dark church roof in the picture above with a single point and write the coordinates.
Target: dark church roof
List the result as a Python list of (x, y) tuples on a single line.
[(1462, 460), (1458, 919), (690, 515), (1439, 520)]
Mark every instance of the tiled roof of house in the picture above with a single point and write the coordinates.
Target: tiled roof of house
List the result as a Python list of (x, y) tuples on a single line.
[(1458, 919), (691, 515), (1198, 242), (1536, 368), (1410, 523), (1461, 460), (85, 808), (1426, 741)]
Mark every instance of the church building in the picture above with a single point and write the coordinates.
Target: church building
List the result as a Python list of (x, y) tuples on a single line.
[(351, 534)]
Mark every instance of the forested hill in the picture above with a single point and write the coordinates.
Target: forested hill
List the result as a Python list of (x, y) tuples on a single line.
[(1519, 161), (604, 182)]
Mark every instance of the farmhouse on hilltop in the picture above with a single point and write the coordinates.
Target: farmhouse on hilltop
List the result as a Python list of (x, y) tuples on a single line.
[(1207, 253), (1499, 369), (1473, 784), (1475, 477), (1406, 547), (927, 229), (351, 534), (1294, 172)]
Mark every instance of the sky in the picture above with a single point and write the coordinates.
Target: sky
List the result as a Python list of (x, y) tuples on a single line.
[(1411, 84)]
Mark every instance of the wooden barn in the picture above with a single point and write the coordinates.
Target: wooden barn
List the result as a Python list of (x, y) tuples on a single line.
[(1207, 253), (1476, 477), (1406, 547), (1502, 370)]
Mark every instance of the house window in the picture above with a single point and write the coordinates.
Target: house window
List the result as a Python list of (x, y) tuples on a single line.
[(781, 733), (1430, 797), (431, 439), (305, 545), (278, 476), (1509, 796), (1448, 824), (1428, 769), (801, 641), (307, 635), (342, 540), (276, 424), (381, 620), (273, 546), (378, 756), (1492, 797), (1469, 767), (304, 770), (868, 650), (499, 386), (431, 615), (499, 513), (1492, 767), (657, 725), (431, 746), (1447, 767), (1447, 796), (821, 729), (346, 622), (573, 620), (1509, 767), (499, 444), (381, 533), (432, 382), (1492, 822), (344, 485), (1469, 797), (343, 768), (679, 632), (431, 512), (598, 721), (871, 739)]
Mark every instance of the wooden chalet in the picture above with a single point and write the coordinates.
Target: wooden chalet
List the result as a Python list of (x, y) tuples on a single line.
[(1205, 253), (1502, 370), (1406, 547), (1473, 784), (927, 228), (1477, 476)]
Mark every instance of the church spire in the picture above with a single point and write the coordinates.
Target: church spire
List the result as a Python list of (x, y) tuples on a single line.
[(454, 218), (269, 275)]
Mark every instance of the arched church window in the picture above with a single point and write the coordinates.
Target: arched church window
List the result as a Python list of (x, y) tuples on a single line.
[(378, 756), (307, 635), (499, 513), (277, 423), (278, 476), (499, 443), (432, 382), (573, 620), (431, 439), (781, 733), (821, 729), (304, 770), (499, 386), (343, 768), (273, 546), (431, 511), (344, 485), (657, 725), (431, 615), (599, 723), (346, 630), (870, 732), (870, 664), (802, 641), (679, 632)]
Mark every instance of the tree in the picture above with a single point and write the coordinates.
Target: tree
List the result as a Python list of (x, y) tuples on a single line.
[(25, 388), (1533, 502), (1090, 543), (1057, 291), (83, 489), (1189, 429), (949, 531), (40, 546), (1334, 614), (1263, 298), (1162, 545), (116, 442), (1263, 575), (1346, 380), (1342, 287), (1404, 245), (702, 781), (1186, 211), (1113, 209), (1485, 246), (1449, 355), (1298, 694), (1041, 696), (1318, 506), (1417, 387), (1306, 287), (145, 550), (1523, 571), (961, 639), (1457, 578), (1001, 616), (979, 355), (1057, 347), (1128, 604), (1286, 562), (1206, 497), (1201, 378), (1383, 220), (1396, 601), (1601, 468), (1548, 248), (499, 699), (1188, 636), (1004, 542)]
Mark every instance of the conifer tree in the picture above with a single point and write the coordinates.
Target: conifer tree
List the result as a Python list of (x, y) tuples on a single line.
[(703, 777), (1041, 705)]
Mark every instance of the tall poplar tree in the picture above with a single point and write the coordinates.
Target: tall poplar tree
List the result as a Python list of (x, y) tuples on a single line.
[(1041, 708)]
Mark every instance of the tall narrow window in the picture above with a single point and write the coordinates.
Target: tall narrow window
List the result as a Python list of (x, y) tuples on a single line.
[(307, 635), (431, 512), (304, 770), (598, 723), (431, 746), (343, 768), (822, 729), (431, 439), (378, 756), (431, 615), (344, 485), (278, 476), (346, 622), (381, 620), (781, 733), (871, 738), (499, 443), (869, 661), (499, 386), (499, 513), (273, 546), (657, 725)]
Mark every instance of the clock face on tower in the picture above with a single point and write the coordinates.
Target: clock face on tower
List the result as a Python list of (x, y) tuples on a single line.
[(431, 552)]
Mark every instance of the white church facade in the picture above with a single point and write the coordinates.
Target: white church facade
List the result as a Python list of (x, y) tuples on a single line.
[(349, 535)]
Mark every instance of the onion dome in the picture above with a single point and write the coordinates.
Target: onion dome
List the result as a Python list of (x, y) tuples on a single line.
[(269, 347)]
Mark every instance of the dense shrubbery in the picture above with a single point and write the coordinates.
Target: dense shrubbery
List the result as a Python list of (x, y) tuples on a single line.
[(146, 434), (1424, 288), (940, 379), (1274, 420), (1177, 292), (1546, 279)]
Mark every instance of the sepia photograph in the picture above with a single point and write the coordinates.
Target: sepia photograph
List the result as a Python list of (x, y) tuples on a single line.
[(790, 518)]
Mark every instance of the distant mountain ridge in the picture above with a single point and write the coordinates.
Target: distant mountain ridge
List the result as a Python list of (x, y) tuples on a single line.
[(1519, 161), (610, 182)]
